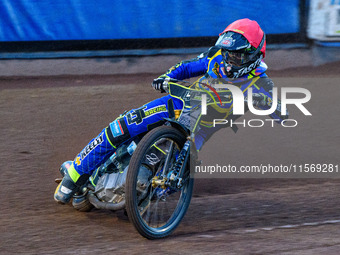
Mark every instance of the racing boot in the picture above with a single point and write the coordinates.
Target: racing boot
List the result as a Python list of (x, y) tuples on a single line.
[(70, 183)]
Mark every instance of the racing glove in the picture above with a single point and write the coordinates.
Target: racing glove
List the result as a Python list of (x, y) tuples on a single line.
[(161, 83), (260, 99)]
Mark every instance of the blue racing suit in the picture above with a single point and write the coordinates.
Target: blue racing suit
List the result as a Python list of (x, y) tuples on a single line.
[(208, 65)]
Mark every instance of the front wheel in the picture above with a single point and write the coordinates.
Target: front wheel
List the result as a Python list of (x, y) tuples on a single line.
[(155, 207)]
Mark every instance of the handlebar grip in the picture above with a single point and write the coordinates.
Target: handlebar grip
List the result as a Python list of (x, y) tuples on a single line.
[(168, 79)]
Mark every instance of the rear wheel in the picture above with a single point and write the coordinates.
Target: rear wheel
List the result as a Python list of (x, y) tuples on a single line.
[(155, 208)]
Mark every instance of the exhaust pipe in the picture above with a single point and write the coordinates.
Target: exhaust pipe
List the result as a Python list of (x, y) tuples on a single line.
[(105, 205)]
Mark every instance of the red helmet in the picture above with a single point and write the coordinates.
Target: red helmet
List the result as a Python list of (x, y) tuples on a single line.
[(243, 45)]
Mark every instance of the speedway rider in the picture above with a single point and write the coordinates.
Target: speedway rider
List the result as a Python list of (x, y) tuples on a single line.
[(236, 57)]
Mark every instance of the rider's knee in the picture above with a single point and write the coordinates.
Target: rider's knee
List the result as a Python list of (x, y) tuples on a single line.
[(117, 132)]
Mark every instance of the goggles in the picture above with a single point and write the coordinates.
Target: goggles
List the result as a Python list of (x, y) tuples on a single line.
[(237, 58)]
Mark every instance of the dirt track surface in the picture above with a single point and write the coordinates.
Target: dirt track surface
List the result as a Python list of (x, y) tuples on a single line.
[(45, 121)]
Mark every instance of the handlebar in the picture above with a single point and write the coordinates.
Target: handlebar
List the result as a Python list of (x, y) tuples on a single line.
[(172, 80)]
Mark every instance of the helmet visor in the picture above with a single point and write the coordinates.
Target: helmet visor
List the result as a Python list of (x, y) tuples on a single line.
[(237, 58)]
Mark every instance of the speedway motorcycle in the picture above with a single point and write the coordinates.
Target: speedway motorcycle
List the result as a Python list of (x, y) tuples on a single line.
[(149, 176)]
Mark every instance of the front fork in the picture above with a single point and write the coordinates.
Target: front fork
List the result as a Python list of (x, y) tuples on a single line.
[(175, 177)]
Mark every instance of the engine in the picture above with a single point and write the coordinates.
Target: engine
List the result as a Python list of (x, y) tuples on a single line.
[(111, 187)]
